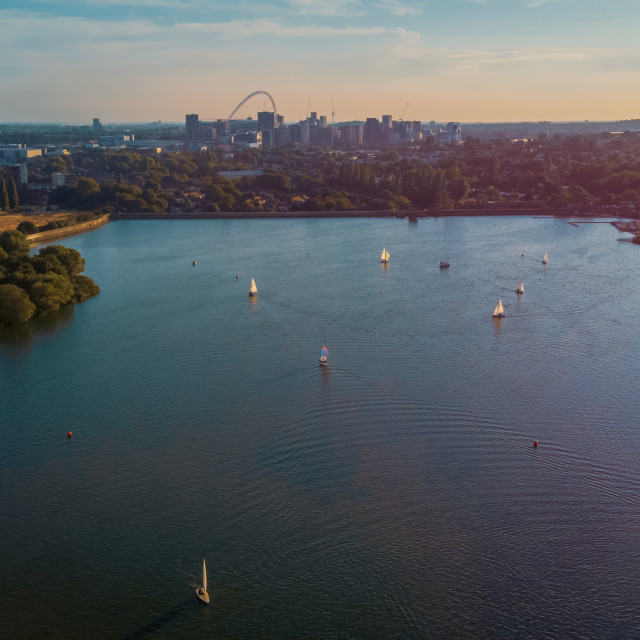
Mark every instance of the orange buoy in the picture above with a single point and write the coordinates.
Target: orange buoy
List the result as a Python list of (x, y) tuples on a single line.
[(535, 443), (68, 434)]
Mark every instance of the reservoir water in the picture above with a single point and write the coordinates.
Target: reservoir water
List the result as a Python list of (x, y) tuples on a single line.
[(394, 493)]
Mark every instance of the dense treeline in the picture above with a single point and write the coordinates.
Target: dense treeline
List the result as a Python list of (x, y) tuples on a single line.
[(603, 169), (31, 285)]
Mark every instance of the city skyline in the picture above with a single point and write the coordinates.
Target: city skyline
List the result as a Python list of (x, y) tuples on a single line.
[(462, 60)]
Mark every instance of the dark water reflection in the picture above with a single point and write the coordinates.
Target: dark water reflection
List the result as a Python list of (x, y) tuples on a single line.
[(394, 493), (14, 340)]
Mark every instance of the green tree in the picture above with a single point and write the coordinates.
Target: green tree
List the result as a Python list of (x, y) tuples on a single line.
[(84, 288), (13, 195), (27, 227), (14, 243), (87, 193), (4, 195), (458, 189), (48, 264), (15, 305), (50, 291), (20, 272), (71, 259)]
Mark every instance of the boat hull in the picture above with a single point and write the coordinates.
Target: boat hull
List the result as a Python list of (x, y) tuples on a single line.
[(323, 360), (202, 595)]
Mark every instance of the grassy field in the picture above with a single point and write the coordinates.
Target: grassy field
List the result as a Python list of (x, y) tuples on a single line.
[(12, 220)]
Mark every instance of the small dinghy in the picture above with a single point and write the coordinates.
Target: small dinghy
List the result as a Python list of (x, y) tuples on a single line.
[(384, 258), (254, 289), (520, 288), (545, 259), (324, 352)]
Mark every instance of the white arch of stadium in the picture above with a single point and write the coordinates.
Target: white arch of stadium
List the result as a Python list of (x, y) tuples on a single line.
[(255, 93)]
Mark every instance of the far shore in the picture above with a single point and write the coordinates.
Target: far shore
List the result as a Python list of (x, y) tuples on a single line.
[(11, 221), (241, 215)]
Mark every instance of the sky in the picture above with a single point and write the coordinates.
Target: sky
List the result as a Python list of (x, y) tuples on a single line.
[(462, 60)]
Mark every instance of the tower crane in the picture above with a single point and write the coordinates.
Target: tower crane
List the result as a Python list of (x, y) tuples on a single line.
[(333, 110), (401, 118)]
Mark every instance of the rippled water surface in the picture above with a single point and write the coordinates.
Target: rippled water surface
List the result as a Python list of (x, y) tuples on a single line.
[(393, 494)]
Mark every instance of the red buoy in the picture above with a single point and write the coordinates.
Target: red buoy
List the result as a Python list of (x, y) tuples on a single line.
[(68, 434), (535, 443), (236, 277)]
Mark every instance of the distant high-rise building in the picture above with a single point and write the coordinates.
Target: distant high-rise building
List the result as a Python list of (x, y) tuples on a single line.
[(222, 127), (387, 122), (372, 131), (207, 131), (96, 123), (454, 132), (193, 126), (351, 135), (266, 120)]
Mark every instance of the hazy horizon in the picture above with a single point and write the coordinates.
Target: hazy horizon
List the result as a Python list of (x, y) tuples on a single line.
[(142, 123), (488, 61)]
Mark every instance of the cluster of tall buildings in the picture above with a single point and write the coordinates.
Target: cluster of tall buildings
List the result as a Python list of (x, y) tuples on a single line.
[(270, 130)]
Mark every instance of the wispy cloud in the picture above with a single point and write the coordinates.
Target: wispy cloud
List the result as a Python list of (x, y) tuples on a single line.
[(247, 28), (539, 3), (398, 8), (326, 7), (409, 46)]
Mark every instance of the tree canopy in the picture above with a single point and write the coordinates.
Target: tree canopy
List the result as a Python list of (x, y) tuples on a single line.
[(41, 283)]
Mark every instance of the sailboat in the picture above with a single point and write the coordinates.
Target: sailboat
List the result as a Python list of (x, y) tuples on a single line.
[(201, 592), (498, 312), (545, 259), (520, 288), (384, 258), (324, 352), (253, 290)]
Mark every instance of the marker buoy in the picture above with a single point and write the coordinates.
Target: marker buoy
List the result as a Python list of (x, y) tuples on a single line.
[(535, 443), (68, 434), (236, 277)]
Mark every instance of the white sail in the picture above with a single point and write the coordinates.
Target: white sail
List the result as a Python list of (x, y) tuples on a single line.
[(385, 256), (204, 575), (521, 287), (254, 288), (546, 257), (499, 310)]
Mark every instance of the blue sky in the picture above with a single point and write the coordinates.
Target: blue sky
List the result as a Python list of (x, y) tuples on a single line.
[(467, 60)]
